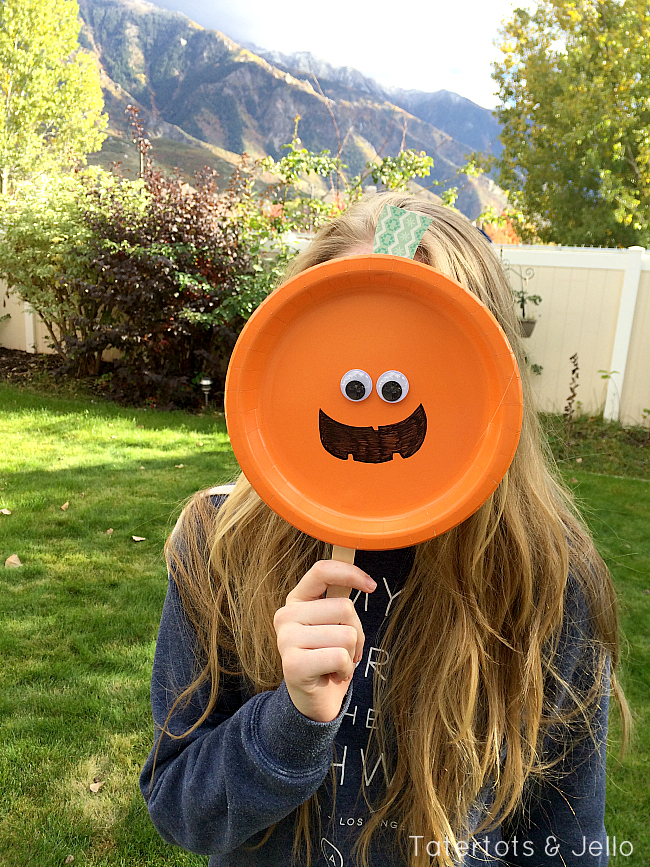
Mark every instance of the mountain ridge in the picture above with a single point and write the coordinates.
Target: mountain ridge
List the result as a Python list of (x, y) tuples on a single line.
[(200, 91), (439, 108)]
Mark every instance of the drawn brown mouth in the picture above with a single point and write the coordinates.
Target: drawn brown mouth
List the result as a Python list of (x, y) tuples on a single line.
[(372, 446)]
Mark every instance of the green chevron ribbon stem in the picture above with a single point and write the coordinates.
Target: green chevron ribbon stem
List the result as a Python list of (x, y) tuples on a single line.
[(399, 232)]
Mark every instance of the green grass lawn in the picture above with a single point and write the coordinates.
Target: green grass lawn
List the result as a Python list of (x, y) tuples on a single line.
[(79, 618)]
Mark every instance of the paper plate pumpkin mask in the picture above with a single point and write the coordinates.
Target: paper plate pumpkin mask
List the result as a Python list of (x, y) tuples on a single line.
[(373, 402)]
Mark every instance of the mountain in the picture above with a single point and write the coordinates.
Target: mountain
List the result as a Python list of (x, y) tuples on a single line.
[(205, 99), (459, 117), (455, 115), (303, 63)]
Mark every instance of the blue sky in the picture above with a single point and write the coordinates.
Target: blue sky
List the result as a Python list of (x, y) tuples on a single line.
[(425, 46)]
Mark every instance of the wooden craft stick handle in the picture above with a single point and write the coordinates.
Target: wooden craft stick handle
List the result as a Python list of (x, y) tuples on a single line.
[(345, 555)]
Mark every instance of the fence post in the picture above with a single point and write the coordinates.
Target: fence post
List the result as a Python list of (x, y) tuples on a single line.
[(30, 337), (623, 332)]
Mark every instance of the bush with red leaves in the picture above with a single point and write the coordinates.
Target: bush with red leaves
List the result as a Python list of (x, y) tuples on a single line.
[(171, 283)]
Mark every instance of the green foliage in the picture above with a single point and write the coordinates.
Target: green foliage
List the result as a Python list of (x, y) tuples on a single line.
[(594, 444), (449, 197), (163, 274), (477, 164), (50, 97), (41, 227), (395, 172), (158, 277), (289, 209), (148, 268), (575, 117), (522, 298), (299, 161), (284, 208)]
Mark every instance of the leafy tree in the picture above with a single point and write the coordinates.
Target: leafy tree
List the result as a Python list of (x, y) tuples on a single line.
[(41, 227), (155, 269), (395, 172), (168, 282), (575, 110), (288, 210), (165, 273), (50, 97)]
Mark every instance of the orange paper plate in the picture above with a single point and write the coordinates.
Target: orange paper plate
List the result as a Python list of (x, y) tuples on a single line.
[(372, 473)]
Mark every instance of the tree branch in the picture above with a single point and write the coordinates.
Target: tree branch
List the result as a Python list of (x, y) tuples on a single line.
[(629, 159)]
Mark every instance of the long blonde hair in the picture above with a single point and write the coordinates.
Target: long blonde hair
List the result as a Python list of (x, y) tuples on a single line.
[(477, 676)]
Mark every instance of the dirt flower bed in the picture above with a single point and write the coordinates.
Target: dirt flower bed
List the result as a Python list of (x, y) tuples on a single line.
[(19, 366)]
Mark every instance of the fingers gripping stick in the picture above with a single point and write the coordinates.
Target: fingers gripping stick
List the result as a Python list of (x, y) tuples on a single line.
[(345, 555)]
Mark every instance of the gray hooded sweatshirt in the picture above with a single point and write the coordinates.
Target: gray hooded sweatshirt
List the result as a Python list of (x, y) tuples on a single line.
[(256, 758)]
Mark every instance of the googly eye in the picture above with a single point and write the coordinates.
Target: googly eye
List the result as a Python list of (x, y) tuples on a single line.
[(356, 385), (392, 386)]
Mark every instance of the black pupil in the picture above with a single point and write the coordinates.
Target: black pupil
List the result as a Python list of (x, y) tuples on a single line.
[(391, 390), (355, 389)]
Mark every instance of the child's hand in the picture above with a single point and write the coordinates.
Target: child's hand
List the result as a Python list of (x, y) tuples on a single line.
[(321, 640)]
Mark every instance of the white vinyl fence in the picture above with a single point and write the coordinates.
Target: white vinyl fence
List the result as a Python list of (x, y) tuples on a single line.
[(595, 302)]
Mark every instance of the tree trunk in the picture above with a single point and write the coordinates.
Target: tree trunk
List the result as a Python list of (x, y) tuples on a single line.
[(55, 341)]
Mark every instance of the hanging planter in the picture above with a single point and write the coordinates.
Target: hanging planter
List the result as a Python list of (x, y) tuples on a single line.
[(520, 296), (527, 326)]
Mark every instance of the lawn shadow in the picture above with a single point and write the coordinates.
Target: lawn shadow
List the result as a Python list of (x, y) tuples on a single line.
[(14, 401)]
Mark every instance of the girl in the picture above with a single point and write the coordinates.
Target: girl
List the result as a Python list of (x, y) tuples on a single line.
[(452, 711)]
